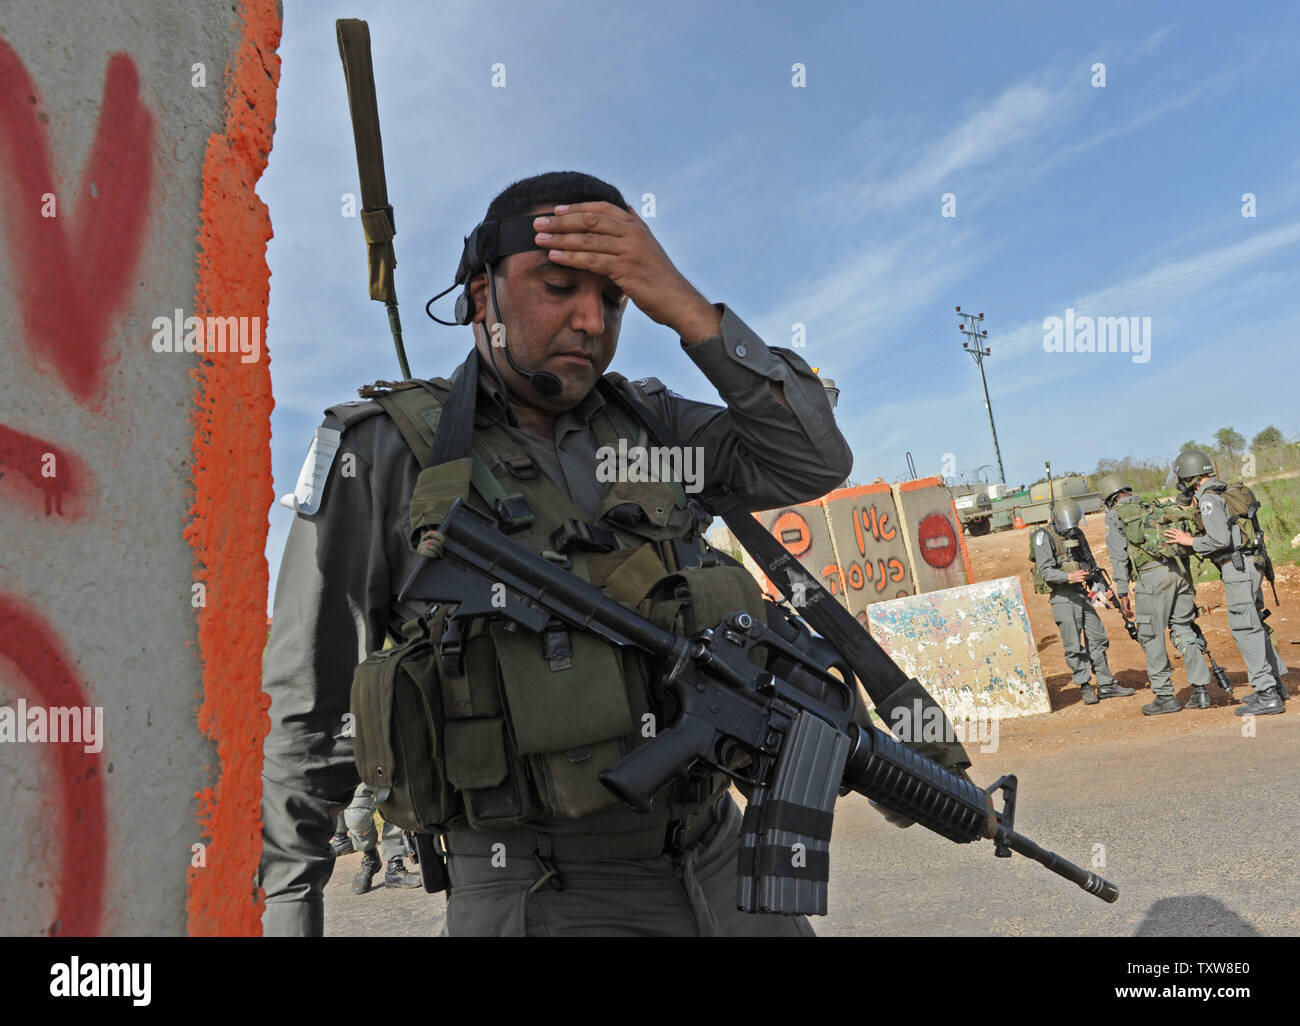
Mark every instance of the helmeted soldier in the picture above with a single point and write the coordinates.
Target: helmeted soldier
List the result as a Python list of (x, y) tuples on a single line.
[(1227, 540), (1060, 569), (1164, 597), (522, 725)]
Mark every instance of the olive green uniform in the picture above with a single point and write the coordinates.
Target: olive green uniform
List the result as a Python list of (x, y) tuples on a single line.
[(1243, 591), (346, 559), (1074, 614), (1164, 599)]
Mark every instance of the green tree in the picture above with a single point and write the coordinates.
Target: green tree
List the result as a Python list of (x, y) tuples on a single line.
[(1267, 438), (1230, 441)]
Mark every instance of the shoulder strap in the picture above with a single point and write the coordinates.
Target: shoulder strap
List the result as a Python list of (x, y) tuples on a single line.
[(418, 407), (417, 413)]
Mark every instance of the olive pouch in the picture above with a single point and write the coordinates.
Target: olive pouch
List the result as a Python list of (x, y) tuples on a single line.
[(568, 712), (695, 599), (399, 720)]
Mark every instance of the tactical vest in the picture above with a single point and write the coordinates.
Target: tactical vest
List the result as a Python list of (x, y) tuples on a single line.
[(495, 726), (1144, 529), (1059, 545)]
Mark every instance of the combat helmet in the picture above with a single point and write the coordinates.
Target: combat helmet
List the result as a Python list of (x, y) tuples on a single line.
[(1066, 515), (1192, 463), (1111, 485)]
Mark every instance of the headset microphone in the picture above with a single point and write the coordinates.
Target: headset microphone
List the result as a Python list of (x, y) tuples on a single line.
[(548, 386), (489, 241), (545, 384)]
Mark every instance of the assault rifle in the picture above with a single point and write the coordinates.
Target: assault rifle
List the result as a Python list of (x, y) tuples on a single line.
[(1260, 551), (803, 746), (1215, 668), (1098, 583)]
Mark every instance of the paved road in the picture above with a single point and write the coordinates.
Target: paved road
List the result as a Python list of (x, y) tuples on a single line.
[(1199, 826)]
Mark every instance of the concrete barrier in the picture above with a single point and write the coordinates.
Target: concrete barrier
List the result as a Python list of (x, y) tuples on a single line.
[(870, 543), (936, 544), (972, 648), (134, 463)]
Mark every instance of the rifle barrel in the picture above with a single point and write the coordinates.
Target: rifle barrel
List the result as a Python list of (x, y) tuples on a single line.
[(1090, 882)]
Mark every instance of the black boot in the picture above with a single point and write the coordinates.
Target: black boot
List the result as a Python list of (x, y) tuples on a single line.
[(1262, 703), (399, 876), (1163, 704), (1089, 695), (370, 865), (1198, 699), (1116, 690), (340, 844)]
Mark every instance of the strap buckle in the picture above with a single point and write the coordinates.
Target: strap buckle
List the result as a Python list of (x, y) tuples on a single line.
[(576, 533), (514, 513), (451, 649)]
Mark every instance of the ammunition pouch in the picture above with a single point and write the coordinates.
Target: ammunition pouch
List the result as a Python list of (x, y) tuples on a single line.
[(398, 749)]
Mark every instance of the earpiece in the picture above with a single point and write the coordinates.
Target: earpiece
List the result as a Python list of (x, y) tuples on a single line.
[(489, 241)]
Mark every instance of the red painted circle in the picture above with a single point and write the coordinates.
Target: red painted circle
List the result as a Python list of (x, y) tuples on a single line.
[(791, 530), (938, 541)]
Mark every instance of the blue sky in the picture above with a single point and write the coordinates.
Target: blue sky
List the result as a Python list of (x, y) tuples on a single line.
[(822, 205)]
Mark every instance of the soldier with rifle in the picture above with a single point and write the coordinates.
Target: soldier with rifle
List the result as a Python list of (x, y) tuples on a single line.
[(519, 426), (1228, 535), (498, 725), (1064, 568), (1164, 596)]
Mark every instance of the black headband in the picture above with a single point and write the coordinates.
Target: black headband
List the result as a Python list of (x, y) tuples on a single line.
[(492, 240)]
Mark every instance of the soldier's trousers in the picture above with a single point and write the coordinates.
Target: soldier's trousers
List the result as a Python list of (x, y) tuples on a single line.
[(1074, 615), (692, 895), (360, 820), (1165, 599), (1243, 594)]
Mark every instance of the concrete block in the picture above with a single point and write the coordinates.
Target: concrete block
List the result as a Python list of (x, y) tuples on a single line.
[(971, 647), (933, 535), (134, 476)]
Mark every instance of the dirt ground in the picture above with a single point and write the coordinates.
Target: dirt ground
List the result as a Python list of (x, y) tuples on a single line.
[(1006, 554)]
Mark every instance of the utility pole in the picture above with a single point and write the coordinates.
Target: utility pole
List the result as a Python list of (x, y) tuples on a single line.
[(979, 350)]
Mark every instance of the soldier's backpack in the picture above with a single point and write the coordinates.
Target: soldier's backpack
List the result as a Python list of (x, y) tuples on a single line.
[(1144, 527), (1242, 510)]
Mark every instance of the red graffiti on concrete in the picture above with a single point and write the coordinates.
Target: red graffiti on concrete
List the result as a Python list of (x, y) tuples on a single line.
[(74, 274), (874, 522), (73, 277), (36, 650), (47, 470)]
